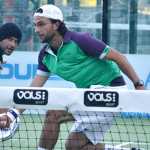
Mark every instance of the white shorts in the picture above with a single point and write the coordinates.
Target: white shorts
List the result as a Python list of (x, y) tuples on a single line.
[(95, 124)]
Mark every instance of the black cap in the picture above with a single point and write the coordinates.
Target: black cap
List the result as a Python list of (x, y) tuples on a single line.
[(10, 30)]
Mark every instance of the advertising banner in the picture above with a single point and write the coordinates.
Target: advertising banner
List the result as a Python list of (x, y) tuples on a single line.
[(21, 69)]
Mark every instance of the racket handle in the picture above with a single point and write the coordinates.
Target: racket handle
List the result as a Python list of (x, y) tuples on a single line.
[(6, 122)]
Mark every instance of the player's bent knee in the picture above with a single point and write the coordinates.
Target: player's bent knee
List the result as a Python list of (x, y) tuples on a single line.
[(75, 141), (71, 145)]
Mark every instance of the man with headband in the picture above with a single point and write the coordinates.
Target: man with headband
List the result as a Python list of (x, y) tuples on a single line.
[(10, 36)]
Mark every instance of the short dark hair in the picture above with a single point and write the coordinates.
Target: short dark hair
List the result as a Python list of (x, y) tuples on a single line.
[(62, 29)]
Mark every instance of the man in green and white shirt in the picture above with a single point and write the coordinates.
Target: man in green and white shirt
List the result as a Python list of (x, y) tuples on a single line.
[(85, 61)]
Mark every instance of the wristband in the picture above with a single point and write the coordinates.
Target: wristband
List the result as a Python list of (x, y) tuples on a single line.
[(13, 114)]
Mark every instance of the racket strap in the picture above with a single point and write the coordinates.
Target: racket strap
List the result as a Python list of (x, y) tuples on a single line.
[(13, 114)]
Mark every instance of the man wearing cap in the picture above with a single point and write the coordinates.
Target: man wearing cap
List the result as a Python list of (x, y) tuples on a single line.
[(85, 61), (10, 36)]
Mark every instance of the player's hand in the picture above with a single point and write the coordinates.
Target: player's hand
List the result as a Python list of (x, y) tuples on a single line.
[(4, 121), (4, 62), (141, 88)]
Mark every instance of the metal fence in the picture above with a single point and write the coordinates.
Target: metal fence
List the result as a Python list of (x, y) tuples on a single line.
[(122, 24)]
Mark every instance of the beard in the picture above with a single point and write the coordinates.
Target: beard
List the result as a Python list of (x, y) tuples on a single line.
[(48, 39), (6, 50)]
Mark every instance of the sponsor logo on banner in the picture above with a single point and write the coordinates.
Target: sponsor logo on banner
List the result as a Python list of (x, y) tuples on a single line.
[(101, 99), (30, 97)]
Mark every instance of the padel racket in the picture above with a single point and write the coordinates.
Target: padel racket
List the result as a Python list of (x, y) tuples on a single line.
[(8, 133)]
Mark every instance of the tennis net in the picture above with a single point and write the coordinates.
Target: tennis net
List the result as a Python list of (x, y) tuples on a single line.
[(131, 128)]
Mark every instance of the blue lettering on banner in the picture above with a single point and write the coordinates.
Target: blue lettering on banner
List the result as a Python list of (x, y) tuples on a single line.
[(147, 80), (10, 72), (23, 77), (135, 115), (14, 71)]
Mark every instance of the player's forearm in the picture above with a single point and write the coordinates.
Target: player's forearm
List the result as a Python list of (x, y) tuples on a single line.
[(21, 110), (3, 110), (127, 69), (38, 81), (123, 64)]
